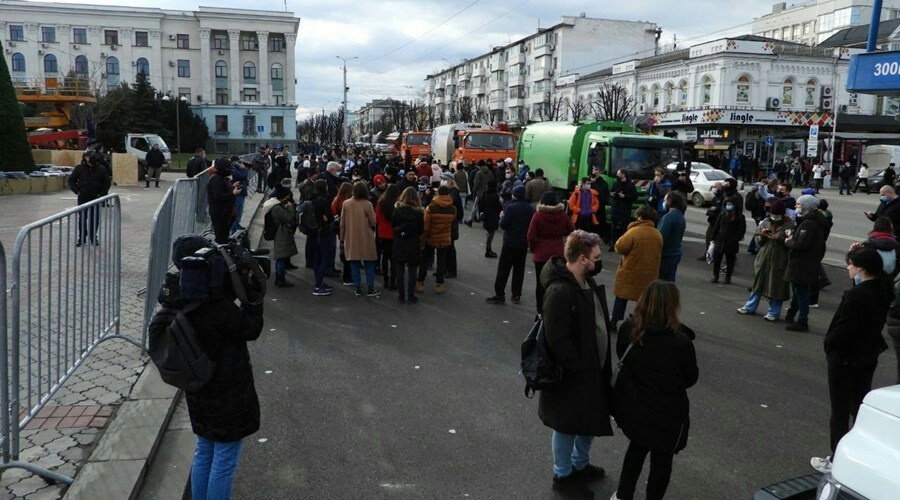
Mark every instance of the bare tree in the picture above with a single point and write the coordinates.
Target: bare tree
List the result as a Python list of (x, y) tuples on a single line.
[(578, 109), (466, 111), (482, 115), (551, 109), (612, 103)]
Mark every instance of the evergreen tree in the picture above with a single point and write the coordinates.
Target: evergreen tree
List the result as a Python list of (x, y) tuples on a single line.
[(144, 110), (15, 153)]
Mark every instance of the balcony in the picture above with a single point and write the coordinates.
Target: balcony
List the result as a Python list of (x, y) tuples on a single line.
[(543, 50), (497, 84), (516, 80), (464, 77), (517, 59)]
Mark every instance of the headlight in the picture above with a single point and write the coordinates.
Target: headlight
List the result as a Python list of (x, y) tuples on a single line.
[(827, 489)]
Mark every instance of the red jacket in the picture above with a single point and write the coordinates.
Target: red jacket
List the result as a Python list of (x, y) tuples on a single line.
[(548, 228), (383, 225)]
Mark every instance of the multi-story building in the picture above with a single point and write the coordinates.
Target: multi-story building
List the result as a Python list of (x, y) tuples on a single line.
[(234, 66), (512, 82), (747, 94), (812, 21), (373, 113)]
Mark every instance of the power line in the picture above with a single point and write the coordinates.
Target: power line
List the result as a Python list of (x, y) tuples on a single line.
[(445, 21)]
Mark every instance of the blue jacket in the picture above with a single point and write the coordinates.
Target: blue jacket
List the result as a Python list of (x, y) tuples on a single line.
[(514, 223), (671, 226), (240, 174)]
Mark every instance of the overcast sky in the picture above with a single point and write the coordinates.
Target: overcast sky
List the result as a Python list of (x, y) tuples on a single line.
[(398, 42)]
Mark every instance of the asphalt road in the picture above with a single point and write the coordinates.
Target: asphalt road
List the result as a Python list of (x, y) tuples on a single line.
[(366, 398)]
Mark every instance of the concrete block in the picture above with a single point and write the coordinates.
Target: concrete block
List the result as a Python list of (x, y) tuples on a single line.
[(125, 169), (42, 155), (135, 431), (19, 186), (151, 386), (97, 480), (168, 473)]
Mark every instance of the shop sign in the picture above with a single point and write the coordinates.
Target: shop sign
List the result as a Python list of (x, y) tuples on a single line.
[(745, 118)]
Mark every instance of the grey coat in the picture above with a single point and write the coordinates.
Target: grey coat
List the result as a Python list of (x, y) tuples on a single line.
[(285, 246), (771, 262)]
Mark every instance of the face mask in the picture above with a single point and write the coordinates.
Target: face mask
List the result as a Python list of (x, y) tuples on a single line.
[(598, 266), (776, 218), (714, 190), (665, 205), (356, 178), (585, 186), (729, 207), (857, 278), (801, 212), (444, 183), (884, 199), (779, 194)]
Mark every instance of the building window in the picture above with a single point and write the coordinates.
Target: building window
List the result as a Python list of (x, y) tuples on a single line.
[(684, 91), (183, 41), (112, 71), (644, 95), (184, 68), (796, 32), (277, 74), (277, 44), (184, 94), (249, 72), (50, 63), (221, 97), (221, 124), (810, 93), (279, 99), (16, 33), (79, 35), (110, 37), (787, 93), (249, 95), (277, 125), (655, 93), (249, 41), (18, 62), (141, 39), (48, 34), (743, 90), (669, 95), (706, 97), (807, 28), (143, 66), (220, 41), (221, 69), (81, 67), (786, 33), (249, 125)]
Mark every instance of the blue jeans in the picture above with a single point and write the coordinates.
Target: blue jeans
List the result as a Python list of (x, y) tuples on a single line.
[(618, 313), (323, 249), (668, 266), (753, 303), (799, 303), (280, 269), (370, 273), (238, 212), (213, 469), (570, 450)]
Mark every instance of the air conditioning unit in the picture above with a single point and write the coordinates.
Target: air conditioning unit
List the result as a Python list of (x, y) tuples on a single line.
[(8, 51), (843, 108), (171, 37), (773, 103), (103, 54), (12, 44), (74, 47), (827, 103), (221, 52), (114, 47), (44, 45), (172, 64), (827, 91), (527, 48)]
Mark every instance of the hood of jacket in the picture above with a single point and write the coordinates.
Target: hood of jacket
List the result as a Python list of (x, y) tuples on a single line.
[(639, 223), (555, 271), (443, 200), (883, 241), (551, 209), (816, 217), (271, 202)]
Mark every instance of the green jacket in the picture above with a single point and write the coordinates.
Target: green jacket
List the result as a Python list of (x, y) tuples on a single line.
[(285, 246)]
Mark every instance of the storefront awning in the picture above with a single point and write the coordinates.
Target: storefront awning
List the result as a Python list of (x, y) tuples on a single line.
[(717, 147), (866, 136)]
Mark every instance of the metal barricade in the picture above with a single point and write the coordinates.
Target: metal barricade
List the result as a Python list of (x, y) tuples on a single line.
[(65, 300)]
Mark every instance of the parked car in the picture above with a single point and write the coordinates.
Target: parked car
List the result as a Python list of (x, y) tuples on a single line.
[(874, 182), (703, 181), (695, 167)]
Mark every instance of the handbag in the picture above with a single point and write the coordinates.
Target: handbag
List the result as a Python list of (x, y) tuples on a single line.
[(618, 368)]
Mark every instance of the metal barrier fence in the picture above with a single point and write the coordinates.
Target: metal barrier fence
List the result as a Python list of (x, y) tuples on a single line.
[(65, 300)]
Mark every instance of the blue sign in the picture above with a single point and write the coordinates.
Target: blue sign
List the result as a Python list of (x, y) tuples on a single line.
[(875, 73), (770, 141), (260, 128)]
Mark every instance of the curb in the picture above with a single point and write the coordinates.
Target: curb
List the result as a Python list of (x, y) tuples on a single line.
[(118, 464)]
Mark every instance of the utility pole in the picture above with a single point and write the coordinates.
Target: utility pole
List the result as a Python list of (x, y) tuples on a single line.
[(344, 125)]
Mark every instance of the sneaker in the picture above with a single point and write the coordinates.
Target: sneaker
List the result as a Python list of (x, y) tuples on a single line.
[(769, 317), (814, 306), (321, 291), (496, 299), (797, 327), (589, 472), (347, 283), (373, 293), (358, 292), (744, 310), (284, 284), (822, 465)]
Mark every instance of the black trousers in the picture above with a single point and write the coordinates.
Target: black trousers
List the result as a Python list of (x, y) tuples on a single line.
[(88, 220), (861, 182), (729, 263), (539, 288), (847, 386), (406, 283), (657, 481), (388, 266), (451, 259), (441, 263), (511, 259), (221, 223)]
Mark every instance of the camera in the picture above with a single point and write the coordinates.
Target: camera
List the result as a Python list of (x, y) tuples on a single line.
[(233, 267)]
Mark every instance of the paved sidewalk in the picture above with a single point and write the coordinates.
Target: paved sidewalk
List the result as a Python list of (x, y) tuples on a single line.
[(63, 436)]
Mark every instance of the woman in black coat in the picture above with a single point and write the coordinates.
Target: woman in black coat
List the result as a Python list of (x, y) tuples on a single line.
[(490, 207), (727, 234), (623, 195), (854, 341), (408, 222), (652, 406)]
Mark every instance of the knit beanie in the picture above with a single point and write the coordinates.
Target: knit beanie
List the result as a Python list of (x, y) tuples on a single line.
[(808, 202), (518, 192)]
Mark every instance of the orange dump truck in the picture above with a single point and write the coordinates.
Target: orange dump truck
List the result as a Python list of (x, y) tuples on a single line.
[(472, 142)]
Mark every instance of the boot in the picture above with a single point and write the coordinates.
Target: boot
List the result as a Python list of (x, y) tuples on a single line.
[(439, 288), (420, 286)]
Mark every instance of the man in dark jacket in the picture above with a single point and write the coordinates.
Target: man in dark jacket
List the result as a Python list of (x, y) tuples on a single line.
[(576, 328), (479, 186), (889, 207), (89, 181), (712, 214), (155, 161), (623, 194), (220, 194), (515, 221), (198, 163), (807, 248)]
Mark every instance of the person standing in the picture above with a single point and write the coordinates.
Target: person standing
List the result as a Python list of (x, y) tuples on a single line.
[(320, 245), (599, 185), (659, 364), (546, 236), (641, 251), (584, 203), (890, 175), (657, 190), (508, 185), (480, 186), (462, 182), (515, 221), (807, 248), (437, 236), (771, 263), (727, 235), (671, 226), (818, 172), (384, 209), (712, 215), (261, 165), (854, 342), (408, 223), (155, 161), (89, 180), (358, 237), (197, 163), (285, 247), (623, 196), (888, 206), (536, 187), (220, 194), (845, 174), (239, 176), (489, 205), (576, 328)]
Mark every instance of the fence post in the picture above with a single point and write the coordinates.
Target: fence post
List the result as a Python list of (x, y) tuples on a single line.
[(4, 360)]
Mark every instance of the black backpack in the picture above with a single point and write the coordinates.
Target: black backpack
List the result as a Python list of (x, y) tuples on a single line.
[(538, 367), (176, 350), (751, 200), (306, 216), (269, 227)]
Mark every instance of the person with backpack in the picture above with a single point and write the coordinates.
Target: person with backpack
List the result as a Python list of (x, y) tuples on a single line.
[(322, 238), (576, 329), (226, 409), (281, 209)]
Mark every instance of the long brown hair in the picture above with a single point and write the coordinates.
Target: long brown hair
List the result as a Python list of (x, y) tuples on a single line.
[(409, 198), (659, 306)]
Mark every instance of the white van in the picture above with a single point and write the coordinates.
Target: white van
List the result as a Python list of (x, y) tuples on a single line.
[(879, 156)]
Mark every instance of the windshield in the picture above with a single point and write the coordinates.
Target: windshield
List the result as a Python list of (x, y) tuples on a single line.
[(490, 141), (155, 139), (640, 160), (418, 140), (715, 175)]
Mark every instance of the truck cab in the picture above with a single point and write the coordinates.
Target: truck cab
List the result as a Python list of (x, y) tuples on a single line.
[(472, 142), (417, 143), (139, 144)]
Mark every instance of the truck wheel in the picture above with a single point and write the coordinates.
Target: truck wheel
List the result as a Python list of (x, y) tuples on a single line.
[(698, 200)]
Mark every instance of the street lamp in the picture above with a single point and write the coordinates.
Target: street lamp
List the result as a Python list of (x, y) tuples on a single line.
[(344, 125), (177, 120)]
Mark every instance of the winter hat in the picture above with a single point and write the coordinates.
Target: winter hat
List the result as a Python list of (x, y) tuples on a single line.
[(518, 192), (446, 175), (550, 199), (378, 179), (809, 191), (808, 202), (223, 164), (778, 208), (508, 161), (186, 245)]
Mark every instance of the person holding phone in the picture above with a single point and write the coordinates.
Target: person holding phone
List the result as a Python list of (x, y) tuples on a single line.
[(771, 263), (889, 207)]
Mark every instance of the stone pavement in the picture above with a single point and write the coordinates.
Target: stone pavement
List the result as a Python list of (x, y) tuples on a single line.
[(70, 426)]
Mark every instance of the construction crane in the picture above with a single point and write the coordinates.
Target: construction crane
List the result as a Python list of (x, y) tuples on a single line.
[(61, 98)]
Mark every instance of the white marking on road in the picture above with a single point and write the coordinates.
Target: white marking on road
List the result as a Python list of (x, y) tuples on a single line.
[(505, 322), (395, 486), (778, 346), (268, 372), (271, 329), (452, 431), (416, 367), (274, 300), (393, 326), (701, 312), (764, 406), (263, 440)]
